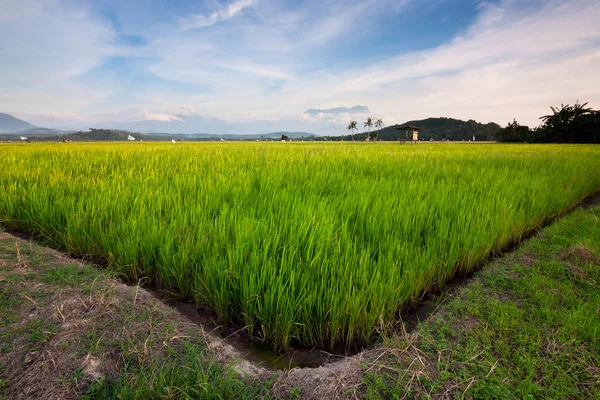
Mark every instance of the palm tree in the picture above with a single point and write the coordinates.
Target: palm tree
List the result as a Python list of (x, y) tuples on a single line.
[(378, 125), (369, 123), (351, 127)]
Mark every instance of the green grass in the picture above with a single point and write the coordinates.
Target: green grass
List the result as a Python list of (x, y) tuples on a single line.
[(185, 374), (527, 326), (70, 275), (313, 243)]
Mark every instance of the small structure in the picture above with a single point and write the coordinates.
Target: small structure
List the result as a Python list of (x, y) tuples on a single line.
[(410, 133), (284, 138)]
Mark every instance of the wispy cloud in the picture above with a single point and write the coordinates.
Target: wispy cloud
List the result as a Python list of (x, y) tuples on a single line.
[(513, 59), (44, 45), (196, 21)]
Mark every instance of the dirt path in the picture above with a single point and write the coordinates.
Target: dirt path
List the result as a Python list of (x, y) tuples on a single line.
[(67, 327)]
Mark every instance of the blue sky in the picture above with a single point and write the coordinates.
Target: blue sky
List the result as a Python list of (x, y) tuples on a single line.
[(78, 63)]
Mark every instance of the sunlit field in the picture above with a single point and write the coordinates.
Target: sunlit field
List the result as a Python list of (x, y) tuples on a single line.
[(318, 244)]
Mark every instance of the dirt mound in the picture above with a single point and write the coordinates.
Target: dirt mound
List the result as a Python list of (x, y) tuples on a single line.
[(579, 252)]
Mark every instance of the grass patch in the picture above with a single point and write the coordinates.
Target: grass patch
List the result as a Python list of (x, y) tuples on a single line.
[(70, 275), (186, 372), (528, 326), (8, 301), (38, 332)]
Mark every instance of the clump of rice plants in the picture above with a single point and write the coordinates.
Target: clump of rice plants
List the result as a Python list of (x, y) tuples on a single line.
[(305, 243)]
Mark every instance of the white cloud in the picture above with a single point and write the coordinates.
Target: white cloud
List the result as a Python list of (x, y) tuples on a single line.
[(201, 21), (277, 46), (512, 62), (44, 45), (160, 117)]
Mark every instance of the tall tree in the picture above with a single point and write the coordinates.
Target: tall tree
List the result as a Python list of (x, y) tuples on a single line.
[(559, 126), (379, 126), (351, 127), (369, 124)]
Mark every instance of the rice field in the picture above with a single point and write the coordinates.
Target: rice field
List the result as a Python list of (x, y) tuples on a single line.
[(315, 244)]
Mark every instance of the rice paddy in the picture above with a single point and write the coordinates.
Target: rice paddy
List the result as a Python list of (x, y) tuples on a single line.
[(299, 243)]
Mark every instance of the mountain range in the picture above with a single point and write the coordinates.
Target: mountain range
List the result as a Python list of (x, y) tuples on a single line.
[(338, 110), (196, 127), (178, 124)]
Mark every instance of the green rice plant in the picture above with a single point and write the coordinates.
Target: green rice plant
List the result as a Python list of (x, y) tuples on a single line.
[(300, 243)]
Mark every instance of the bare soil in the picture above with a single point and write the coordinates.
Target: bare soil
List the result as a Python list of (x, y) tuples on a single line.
[(70, 324)]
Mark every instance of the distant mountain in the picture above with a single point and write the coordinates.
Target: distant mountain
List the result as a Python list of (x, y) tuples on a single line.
[(339, 110), (201, 127), (116, 135), (44, 131), (10, 124), (187, 124), (210, 136), (444, 129)]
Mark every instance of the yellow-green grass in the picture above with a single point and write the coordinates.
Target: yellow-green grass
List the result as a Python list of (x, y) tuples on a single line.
[(317, 244)]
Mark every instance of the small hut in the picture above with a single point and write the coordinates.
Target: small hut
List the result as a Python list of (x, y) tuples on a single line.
[(409, 133)]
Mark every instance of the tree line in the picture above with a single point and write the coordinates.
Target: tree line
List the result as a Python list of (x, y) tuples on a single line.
[(567, 124)]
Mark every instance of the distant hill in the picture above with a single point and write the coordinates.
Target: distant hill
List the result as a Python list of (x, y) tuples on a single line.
[(116, 135), (44, 131), (433, 128), (446, 129), (441, 129), (93, 135), (8, 123), (103, 135), (293, 135), (184, 124), (338, 110)]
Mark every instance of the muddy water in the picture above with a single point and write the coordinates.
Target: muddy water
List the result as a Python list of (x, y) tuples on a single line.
[(252, 350), (266, 357), (419, 311), (302, 358)]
